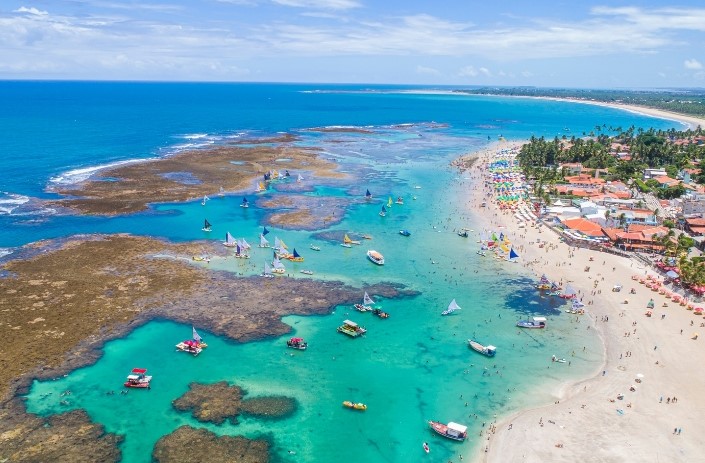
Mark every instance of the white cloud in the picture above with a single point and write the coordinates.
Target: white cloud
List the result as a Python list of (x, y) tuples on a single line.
[(320, 4), (426, 70), (485, 71), (468, 71), (692, 64), (31, 10)]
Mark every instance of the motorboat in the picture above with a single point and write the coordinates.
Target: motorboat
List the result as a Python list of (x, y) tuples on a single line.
[(405, 232), (138, 379), (488, 350), (315, 248), (297, 343), (307, 272), (355, 406), (451, 430), (535, 322), (351, 328), (375, 257)]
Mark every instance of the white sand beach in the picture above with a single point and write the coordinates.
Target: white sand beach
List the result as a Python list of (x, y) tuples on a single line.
[(658, 355)]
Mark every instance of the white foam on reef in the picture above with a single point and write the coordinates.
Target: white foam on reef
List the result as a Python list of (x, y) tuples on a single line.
[(5, 252), (79, 175), (10, 201)]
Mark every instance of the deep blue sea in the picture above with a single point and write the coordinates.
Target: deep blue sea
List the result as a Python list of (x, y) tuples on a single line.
[(409, 368)]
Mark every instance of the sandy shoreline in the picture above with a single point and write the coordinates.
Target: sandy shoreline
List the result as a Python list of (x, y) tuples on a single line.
[(587, 422)]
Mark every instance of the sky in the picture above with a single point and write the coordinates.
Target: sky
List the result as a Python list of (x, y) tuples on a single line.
[(572, 43)]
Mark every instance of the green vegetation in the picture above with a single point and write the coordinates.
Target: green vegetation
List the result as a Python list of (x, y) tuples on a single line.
[(682, 101)]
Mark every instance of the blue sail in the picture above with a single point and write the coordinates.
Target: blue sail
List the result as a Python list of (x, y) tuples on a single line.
[(368, 194), (512, 254), (265, 231), (244, 200), (384, 209), (296, 254)]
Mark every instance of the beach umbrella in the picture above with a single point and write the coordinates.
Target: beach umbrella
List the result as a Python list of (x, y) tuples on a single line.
[(639, 375)]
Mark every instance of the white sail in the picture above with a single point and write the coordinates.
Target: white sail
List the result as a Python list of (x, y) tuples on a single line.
[(299, 178), (282, 245), (367, 300), (245, 244), (195, 335), (569, 291), (277, 263), (267, 269), (263, 243), (229, 240), (452, 307), (277, 243)]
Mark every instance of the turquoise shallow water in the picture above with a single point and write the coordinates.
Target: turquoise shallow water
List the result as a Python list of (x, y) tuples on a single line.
[(409, 368)]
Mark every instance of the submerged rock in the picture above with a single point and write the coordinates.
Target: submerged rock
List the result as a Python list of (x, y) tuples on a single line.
[(189, 445)]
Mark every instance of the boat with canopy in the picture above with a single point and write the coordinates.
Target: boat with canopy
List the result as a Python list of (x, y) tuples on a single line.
[(451, 430), (375, 257)]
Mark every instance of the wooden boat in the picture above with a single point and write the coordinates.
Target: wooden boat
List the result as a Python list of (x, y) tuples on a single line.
[(297, 343), (488, 350), (230, 241), (351, 328), (375, 257), (451, 430), (278, 267), (138, 379), (535, 322), (295, 257), (355, 406)]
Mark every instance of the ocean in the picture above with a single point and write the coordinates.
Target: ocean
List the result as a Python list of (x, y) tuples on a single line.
[(410, 368)]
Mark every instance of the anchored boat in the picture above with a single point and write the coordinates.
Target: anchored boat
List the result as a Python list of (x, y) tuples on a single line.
[(375, 257), (297, 343), (351, 328), (535, 322), (355, 406), (451, 430), (488, 350), (138, 379)]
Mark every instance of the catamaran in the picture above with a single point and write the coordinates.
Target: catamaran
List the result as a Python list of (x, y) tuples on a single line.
[(244, 203), (229, 242), (206, 226), (383, 212), (452, 307)]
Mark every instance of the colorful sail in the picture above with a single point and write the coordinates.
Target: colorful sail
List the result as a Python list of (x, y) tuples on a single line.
[(244, 202), (206, 225), (513, 254), (346, 239), (296, 254), (265, 231), (494, 237), (368, 195), (390, 202)]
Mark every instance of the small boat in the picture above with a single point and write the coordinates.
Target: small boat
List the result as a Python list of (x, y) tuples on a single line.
[(417, 187), (352, 329), (368, 195), (307, 272), (230, 241), (315, 248), (380, 313), (263, 242), (489, 351), (463, 233), (189, 346), (375, 257), (206, 226), (400, 200), (426, 448), (297, 343), (346, 239), (295, 257), (452, 307), (267, 271), (260, 187), (138, 379), (366, 303), (383, 212), (451, 430), (278, 267), (201, 258), (205, 198), (405, 232), (299, 179), (197, 338), (346, 245), (535, 322), (390, 202), (355, 406), (244, 203), (367, 237)]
